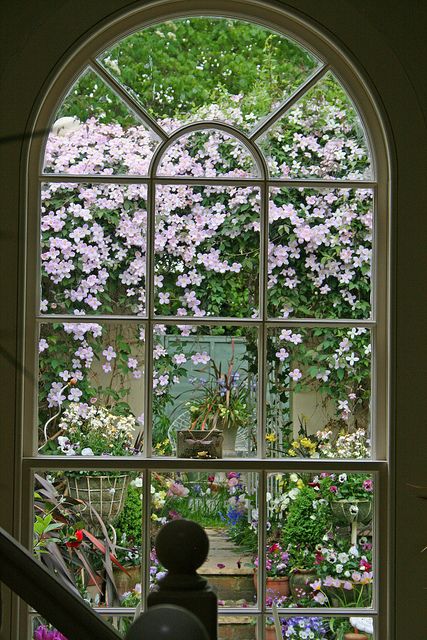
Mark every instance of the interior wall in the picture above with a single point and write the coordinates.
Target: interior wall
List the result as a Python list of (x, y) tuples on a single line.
[(386, 39)]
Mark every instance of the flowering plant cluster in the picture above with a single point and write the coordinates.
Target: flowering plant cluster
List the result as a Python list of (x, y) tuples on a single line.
[(223, 403), (345, 486), (305, 628), (354, 444), (43, 632), (207, 251), (276, 561), (90, 431), (342, 567)]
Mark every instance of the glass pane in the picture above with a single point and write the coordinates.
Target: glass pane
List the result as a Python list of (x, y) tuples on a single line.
[(207, 251), (204, 382), (94, 132), (91, 399), (319, 390), (320, 137), (93, 244), (236, 627), (120, 623), (208, 68), (224, 504), (320, 253), (208, 153), (319, 539), (88, 530), (321, 628)]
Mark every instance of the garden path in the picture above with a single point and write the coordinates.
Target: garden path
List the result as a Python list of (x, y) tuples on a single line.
[(228, 568)]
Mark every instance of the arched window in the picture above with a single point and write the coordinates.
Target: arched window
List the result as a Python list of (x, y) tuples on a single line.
[(209, 311)]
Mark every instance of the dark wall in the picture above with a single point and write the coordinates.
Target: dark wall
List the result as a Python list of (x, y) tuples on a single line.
[(386, 38)]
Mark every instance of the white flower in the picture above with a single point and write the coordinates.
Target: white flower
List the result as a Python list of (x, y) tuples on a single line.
[(87, 451), (138, 483), (343, 557), (342, 477)]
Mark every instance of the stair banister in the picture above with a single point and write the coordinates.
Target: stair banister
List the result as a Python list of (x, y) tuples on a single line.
[(50, 597)]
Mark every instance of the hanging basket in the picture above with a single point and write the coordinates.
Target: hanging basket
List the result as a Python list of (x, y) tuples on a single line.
[(105, 494)]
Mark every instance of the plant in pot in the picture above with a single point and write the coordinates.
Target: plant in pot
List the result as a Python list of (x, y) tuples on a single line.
[(97, 431), (350, 498), (308, 522), (217, 413), (65, 546), (276, 565)]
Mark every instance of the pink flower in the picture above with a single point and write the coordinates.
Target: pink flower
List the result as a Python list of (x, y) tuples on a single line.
[(333, 489), (368, 485), (295, 375)]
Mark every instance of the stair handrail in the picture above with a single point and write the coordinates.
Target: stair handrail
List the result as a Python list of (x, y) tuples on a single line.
[(52, 598)]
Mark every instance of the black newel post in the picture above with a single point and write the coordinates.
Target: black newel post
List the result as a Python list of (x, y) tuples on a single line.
[(182, 546), (167, 622)]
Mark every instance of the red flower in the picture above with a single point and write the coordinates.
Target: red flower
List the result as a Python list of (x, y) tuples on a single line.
[(364, 564), (75, 540)]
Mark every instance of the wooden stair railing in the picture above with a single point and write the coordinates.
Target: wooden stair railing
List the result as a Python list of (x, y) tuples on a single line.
[(185, 607), (50, 597)]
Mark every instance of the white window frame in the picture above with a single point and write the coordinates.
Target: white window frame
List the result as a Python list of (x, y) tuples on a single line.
[(288, 24)]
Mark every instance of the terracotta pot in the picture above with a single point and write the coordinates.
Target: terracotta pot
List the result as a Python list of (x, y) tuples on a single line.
[(270, 633), (300, 581), (125, 582), (275, 587)]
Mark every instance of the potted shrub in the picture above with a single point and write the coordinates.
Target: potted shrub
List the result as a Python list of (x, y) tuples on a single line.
[(307, 522)]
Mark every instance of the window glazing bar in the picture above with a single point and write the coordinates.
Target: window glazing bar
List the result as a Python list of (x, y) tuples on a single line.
[(207, 180), (139, 463), (207, 321), (287, 104), (137, 109)]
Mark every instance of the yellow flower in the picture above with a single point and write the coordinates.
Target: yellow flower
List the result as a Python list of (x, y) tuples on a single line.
[(271, 437), (300, 483)]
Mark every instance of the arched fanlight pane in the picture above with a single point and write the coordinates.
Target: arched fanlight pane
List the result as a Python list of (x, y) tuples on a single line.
[(208, 152), (94, 132), (209, 68), (319, 137)]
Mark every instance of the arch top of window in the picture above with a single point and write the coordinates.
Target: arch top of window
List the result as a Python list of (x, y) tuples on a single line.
[(176, 156)]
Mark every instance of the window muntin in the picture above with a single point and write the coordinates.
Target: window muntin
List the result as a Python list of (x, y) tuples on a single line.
[(262, 321)]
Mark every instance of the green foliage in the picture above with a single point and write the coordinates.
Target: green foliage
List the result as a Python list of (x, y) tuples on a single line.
[(129, 523), (178, 66), (307, 522)]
